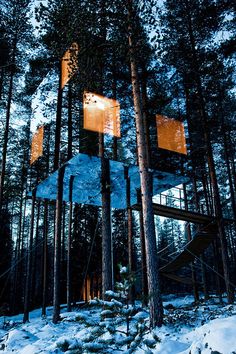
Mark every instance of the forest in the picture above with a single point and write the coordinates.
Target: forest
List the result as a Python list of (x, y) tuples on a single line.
[(118, 166)]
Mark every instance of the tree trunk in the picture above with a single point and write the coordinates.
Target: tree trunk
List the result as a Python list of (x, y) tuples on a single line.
[(233, 171), (68, 277), (107, 261), (114, 90), (6, 134), (57, 247), (145, 113), (45, 232), (63, 241), (29, 263), (206, 193), (155, 302), (56, 162), (45, 257), (17, 274), (194, 277), (1, 81), (216, 266), (35, 263), (144, 261), (70, 127), (130, 237)]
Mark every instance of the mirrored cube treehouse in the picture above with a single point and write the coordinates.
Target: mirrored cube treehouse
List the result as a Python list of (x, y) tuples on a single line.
[(166, 144)]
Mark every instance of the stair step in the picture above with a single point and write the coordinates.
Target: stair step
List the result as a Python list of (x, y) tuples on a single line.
[(193, 249)]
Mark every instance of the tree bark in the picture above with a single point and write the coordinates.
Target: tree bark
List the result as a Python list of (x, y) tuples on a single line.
[(155, 302), (144, 261), (130, 237), (6, 133), (35, 263), (57, 145), (68, 277), (216, 266), (194, 277), (14, 300), (70, 127), (107, 261), (45, 257), (29, 262), (57, 247), (1, 81), (145, 113), (114, 91)]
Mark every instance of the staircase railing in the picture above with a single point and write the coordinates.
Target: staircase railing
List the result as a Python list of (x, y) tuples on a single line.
[(180, 199)]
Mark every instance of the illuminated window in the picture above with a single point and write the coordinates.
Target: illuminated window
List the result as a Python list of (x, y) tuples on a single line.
[(69, 64), (101, 114), (37, 145), (170, 134)]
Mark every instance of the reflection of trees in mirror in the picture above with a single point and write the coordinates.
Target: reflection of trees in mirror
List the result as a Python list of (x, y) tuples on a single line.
[(101, 114), (171, 134)]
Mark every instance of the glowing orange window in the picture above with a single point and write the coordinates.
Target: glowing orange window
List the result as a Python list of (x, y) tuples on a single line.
[(101, 114), (37, 145), (69, 64), (171, 134)]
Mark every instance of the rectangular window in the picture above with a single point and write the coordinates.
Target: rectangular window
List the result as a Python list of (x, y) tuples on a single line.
[(69, 64), (171, 134), (37, 145), (101, 114)]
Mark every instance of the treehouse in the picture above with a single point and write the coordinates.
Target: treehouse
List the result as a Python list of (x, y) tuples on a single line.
[(82, 173)]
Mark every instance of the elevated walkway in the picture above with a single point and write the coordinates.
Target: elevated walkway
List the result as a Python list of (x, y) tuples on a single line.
[(179, 214)]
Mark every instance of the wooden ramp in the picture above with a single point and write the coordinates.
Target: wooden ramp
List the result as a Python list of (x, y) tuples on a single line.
[(193, 248)]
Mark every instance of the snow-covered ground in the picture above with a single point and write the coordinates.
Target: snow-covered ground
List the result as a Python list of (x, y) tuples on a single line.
[(208, 328)]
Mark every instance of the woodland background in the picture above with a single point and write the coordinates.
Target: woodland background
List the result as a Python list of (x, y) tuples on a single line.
[(185, 54)]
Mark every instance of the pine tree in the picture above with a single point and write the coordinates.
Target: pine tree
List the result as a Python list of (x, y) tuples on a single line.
[(145, 180), (15, 16)]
